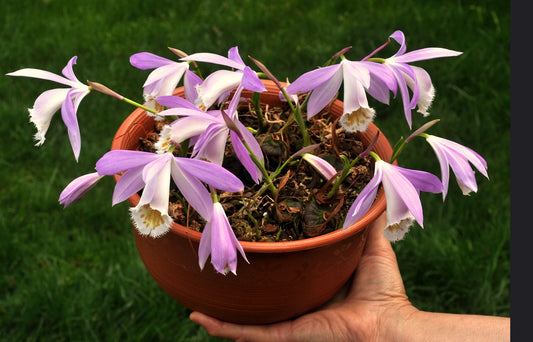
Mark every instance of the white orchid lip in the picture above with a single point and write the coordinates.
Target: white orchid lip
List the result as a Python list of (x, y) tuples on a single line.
[(150, 221)]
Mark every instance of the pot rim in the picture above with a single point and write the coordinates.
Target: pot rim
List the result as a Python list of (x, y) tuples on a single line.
[(377, 208)]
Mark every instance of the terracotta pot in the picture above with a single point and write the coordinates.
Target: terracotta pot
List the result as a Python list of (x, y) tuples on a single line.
[(282, 280)]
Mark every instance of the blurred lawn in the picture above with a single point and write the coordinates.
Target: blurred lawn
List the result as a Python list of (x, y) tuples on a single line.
[(75, 274)]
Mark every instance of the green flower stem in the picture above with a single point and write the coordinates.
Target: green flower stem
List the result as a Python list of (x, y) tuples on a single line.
[(125, 99), (259, 112), (397, 150), (375, 155), (377, 60), (296, 114), (346, 170), (266, 177)]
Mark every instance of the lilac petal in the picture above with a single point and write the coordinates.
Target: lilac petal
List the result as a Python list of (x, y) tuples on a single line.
[(204, 249), (244, 157), (234, 55), (325, 169), (117, 161), (399, 37), (464, 173), (188, 127), (213, 58), (163, 80), (312, 79), (156, 166), (147, 60), (216, 84), (381, 72), (323, 94), (41, 74), (251, 82), (404, 92), (223, 243), (400, 193), (68, 113), (421, 180), (190, 81), (223, 253), (211, 144), (171, 101), (78, 187), (128, 184), (193, 190), (364, 200), (424, 54), (68, 72), (210, 173)]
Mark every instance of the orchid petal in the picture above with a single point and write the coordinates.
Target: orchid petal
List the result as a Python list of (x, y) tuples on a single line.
[(68, 71), (204, 249), (190, 82), (117, 161), (244, 157), (211, 143), (44, 108), (210, 173), (42, 74), (68, 113), (147, 60), (251, 82), (323, 94), (424, 54), (312, 79), (325, 169), (128, 184), (213, 58), (216, 84), (399, 37), (234, 55), (171, 101), (189, 127), (193, 190), (78, 187), (163, 80), (364, 200), (402, 196), (426, 91), (223, 242)]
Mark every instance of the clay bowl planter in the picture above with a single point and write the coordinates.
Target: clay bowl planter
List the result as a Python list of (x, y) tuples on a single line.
[(282, 280)]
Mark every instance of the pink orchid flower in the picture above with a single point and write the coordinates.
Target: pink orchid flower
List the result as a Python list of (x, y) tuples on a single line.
[(413, 77), (457, 156), (219, 84), (401, 188), (49, 102)]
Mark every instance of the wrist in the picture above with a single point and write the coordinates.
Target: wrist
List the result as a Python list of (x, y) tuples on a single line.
[(396, 322)]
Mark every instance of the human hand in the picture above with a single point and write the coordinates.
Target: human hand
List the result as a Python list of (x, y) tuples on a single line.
[(362, 311)]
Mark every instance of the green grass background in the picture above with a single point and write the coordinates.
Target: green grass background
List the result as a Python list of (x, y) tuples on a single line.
[(75, 275)]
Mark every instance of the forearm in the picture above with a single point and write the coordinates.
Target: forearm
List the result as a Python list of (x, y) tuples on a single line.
[(428, 326)]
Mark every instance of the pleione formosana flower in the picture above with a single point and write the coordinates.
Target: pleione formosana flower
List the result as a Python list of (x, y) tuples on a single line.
[(457, 157), (152, 172), (402, 188), (243, 169), (49, 102)]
